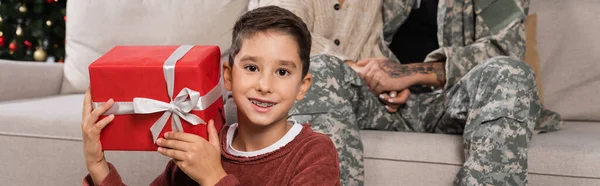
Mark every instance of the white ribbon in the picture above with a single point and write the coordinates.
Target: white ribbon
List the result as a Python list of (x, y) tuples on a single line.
[(179, 107)]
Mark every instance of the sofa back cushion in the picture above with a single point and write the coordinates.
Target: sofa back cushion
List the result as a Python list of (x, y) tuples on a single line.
[(94, 27), (569, 51)]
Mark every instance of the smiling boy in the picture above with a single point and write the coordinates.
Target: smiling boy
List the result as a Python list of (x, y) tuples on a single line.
[(267, 73)]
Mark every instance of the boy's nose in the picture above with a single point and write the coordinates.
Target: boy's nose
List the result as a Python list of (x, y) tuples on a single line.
[(264, 83)]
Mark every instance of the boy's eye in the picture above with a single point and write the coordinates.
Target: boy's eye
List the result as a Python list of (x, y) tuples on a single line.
[(251, 68), (283, 72)]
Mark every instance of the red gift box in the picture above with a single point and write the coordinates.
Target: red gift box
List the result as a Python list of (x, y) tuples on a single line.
[(157, 89)]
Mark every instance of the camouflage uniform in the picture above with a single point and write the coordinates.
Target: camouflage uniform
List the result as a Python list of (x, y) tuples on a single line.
[(490, 97)]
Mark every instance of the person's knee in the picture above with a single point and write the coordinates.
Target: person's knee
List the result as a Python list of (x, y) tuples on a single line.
[(325, 68), (324, 63), (510, 66), (327, 58), (511, 70)]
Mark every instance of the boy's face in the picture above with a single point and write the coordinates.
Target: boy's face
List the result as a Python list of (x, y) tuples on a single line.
[(266, 78)]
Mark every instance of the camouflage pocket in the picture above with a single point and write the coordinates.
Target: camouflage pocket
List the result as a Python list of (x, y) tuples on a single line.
[(498, 14)]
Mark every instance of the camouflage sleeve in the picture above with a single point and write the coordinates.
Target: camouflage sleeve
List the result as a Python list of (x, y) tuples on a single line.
[(306, 11), (498, 31)]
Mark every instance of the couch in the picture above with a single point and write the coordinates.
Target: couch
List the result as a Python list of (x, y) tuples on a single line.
[(40, 103)]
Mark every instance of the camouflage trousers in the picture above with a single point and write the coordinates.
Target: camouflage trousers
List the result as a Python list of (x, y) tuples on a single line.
[(495, 107)]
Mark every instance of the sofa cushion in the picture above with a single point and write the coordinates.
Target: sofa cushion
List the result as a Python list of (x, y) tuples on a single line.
[(94, 27), (567, 45), (571, 152), (51, 117), (22, 80), (41, 161)]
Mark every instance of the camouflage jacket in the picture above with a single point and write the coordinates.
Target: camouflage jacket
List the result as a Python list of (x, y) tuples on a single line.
[(469, 31)]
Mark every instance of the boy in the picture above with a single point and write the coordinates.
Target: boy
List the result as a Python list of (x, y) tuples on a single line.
[(267, 73)]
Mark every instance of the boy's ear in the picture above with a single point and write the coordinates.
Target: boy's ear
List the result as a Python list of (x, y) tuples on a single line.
[(304, 87), (227, 75)]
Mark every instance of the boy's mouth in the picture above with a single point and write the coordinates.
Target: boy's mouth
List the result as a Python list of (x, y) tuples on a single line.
[(261, 103)]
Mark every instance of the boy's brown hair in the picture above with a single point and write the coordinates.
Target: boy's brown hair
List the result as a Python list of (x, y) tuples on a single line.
[(272, 18)]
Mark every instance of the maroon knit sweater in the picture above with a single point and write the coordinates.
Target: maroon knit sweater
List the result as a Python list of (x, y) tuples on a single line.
[(309, 159)]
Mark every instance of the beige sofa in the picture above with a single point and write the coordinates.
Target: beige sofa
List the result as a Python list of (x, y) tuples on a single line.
[(40, 141)]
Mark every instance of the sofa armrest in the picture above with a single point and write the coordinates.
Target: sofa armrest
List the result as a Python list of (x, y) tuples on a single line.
[(21, 80)]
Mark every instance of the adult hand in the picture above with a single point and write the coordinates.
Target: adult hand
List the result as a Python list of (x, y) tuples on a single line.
[(353, 65), (382, 75), (394, 99)]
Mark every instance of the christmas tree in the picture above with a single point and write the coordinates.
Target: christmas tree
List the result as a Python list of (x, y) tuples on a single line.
[(32, 30)]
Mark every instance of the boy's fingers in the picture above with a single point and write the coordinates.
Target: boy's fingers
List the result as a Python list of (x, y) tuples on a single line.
[(102, 123), (87, 104), (181, 136), (173, 144), (96, 113), (212, 134), (175, 154)]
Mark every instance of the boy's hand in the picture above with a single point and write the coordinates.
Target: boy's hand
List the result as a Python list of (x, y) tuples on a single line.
[(90, 129), (198, 158)]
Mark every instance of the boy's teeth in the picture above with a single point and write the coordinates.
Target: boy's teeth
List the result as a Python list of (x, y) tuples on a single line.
[(261, 104)]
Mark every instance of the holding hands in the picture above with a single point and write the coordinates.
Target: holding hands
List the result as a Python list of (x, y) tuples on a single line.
[(391, 87), (387, 78), (384, 75)]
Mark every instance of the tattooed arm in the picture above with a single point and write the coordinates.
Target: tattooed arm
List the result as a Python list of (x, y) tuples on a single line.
[(432, 74), (382, 75)]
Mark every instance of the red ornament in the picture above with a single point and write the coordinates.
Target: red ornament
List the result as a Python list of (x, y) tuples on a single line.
[(1, 40), (12, 46), (61, 60), (28, 44), (49, 1), (65, 18)]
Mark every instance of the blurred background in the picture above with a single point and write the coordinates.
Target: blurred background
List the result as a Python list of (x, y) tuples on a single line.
[(33, 30)]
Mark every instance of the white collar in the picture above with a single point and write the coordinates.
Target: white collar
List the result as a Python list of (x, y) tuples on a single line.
[(287, 138)]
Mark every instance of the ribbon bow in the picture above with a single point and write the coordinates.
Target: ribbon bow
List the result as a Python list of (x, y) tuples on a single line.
[(178, 108)]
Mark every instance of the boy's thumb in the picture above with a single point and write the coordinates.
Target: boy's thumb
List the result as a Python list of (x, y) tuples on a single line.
[(213, 136)]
